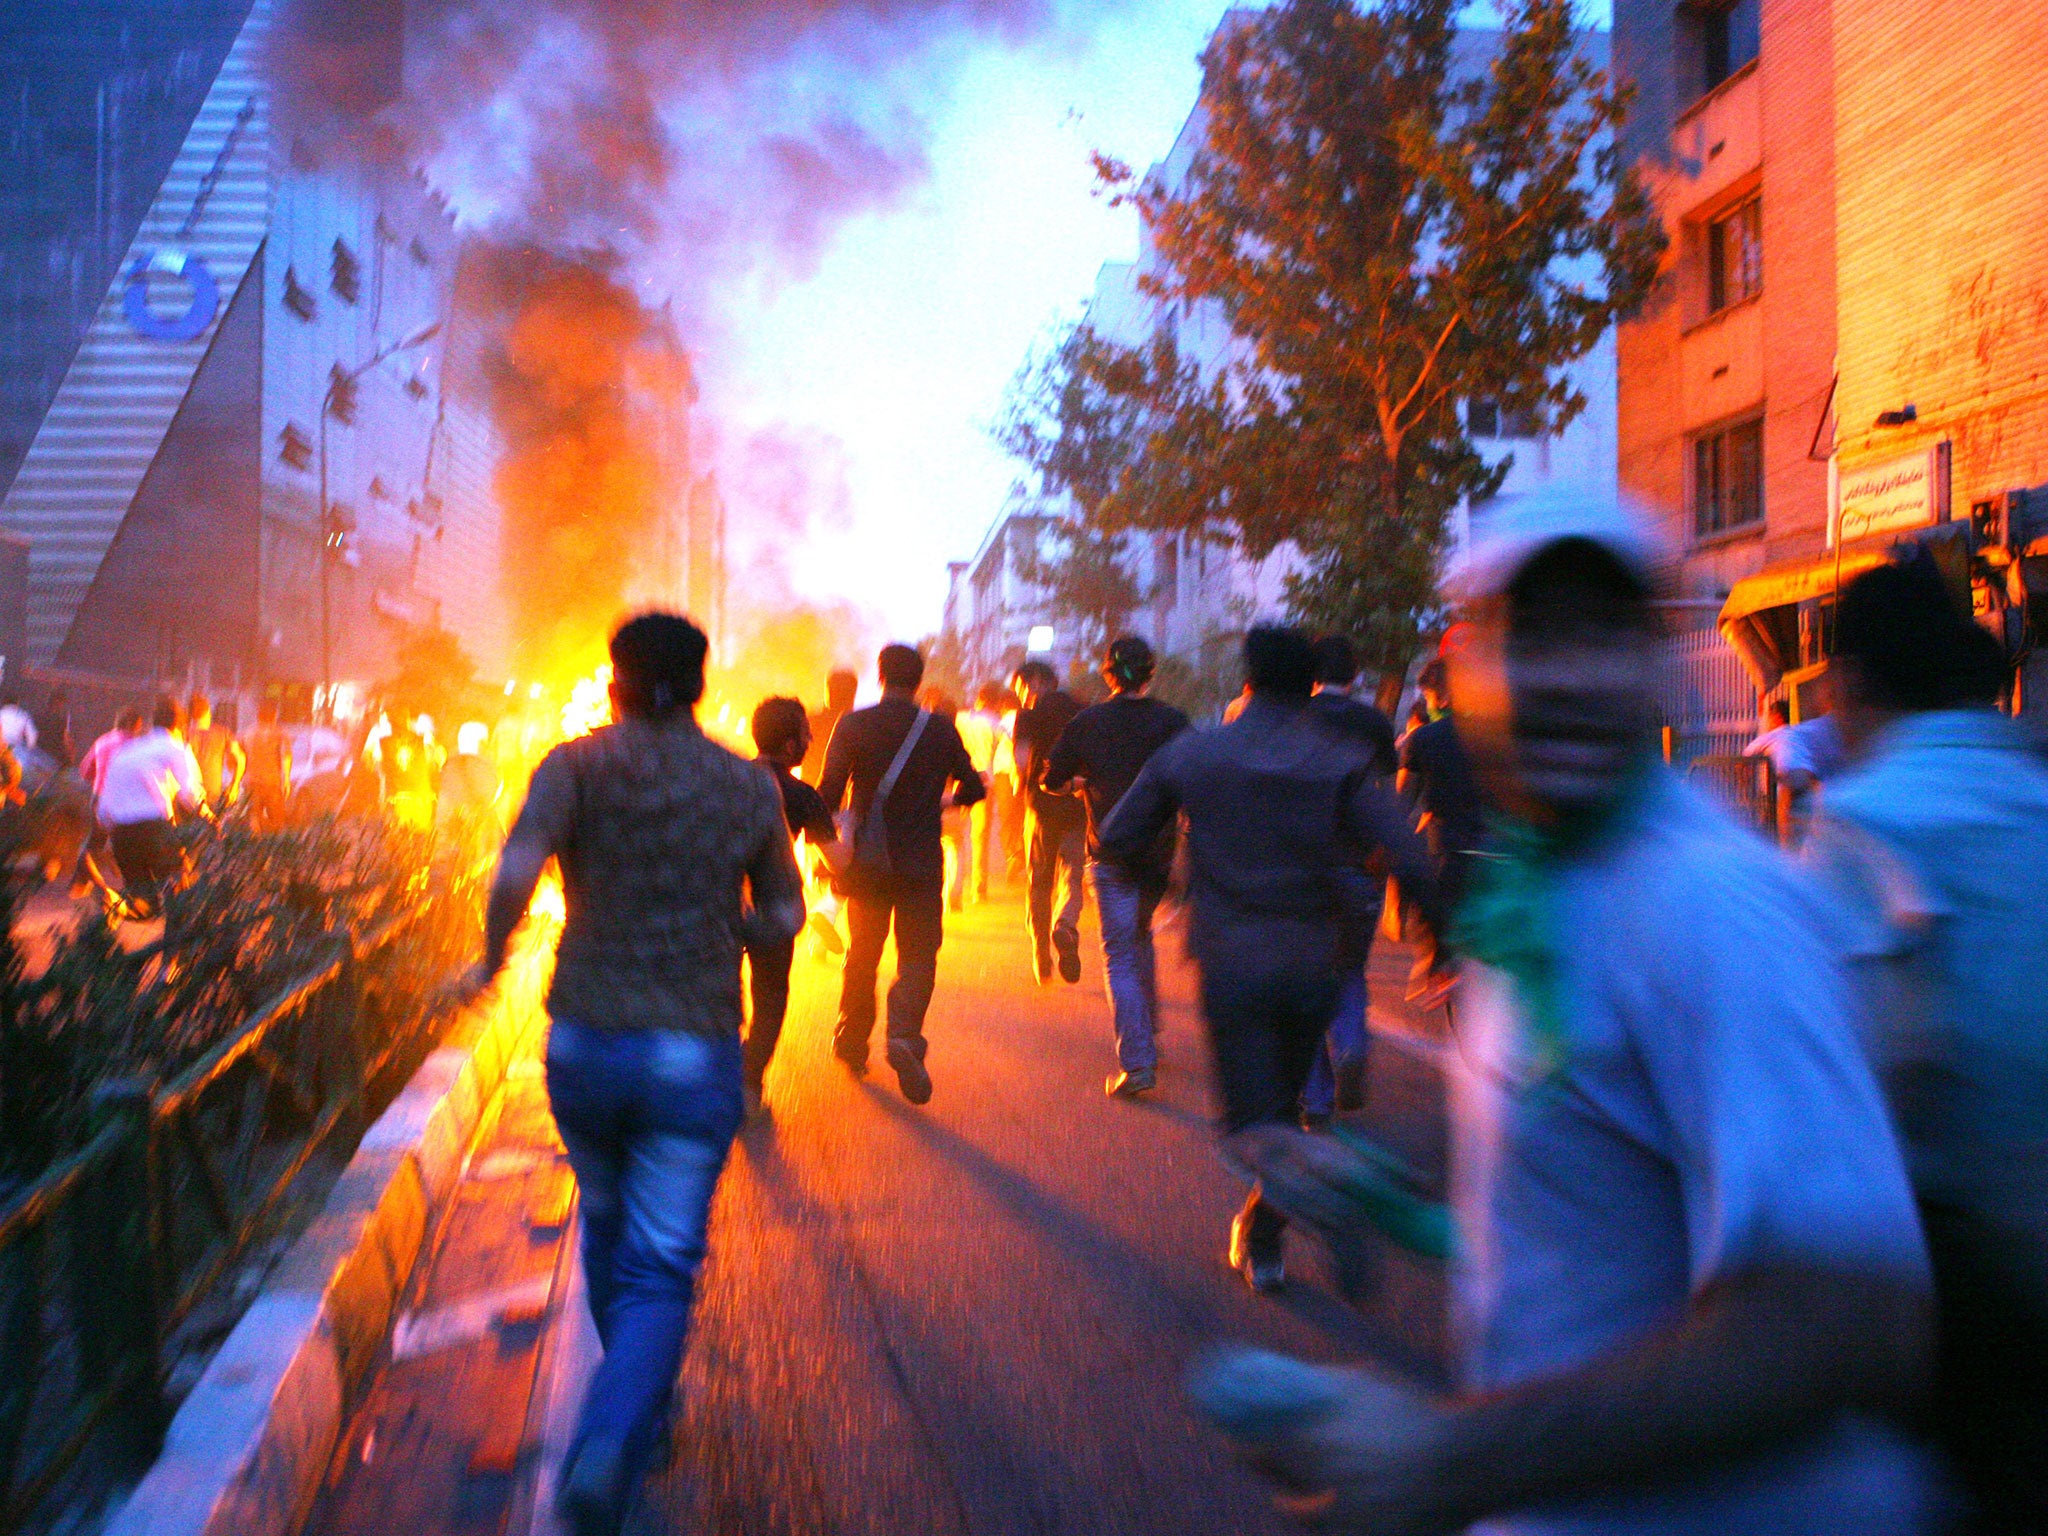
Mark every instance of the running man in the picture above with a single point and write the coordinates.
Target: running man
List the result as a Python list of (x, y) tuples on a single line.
[(662, 835)]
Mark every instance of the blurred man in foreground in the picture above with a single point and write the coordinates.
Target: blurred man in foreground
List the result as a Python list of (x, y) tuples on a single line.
[(662, 835), (1936, 842), (1692, 1290)]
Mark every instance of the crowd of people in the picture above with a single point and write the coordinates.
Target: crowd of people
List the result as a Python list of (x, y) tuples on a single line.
[(117, 815), (1750, 1156)]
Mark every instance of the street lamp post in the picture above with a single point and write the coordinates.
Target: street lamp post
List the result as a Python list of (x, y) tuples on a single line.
[(337, 381)]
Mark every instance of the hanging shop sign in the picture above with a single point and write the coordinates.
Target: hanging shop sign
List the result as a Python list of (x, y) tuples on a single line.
[(1892, 496), (199, 310)]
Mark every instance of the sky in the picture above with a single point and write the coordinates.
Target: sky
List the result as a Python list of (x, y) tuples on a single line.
[(892, 355), (900, 344)]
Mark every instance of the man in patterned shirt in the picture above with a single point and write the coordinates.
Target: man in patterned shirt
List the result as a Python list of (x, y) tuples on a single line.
[(661, 834)]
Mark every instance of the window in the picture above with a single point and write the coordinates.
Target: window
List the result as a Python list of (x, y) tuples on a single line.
[(293, 446), (1485, 417), (1735, 255), (296, 298), (1723, 37), (347, 275), (1728, 478)]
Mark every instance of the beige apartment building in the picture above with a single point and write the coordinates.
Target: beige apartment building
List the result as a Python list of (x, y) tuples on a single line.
[(1849, 343)]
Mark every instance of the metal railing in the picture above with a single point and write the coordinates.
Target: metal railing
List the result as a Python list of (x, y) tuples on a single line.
[(1709, 703), (111, 1252)]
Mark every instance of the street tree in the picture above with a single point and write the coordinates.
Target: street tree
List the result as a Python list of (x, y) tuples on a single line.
[(1386, 237), (1077, 440)]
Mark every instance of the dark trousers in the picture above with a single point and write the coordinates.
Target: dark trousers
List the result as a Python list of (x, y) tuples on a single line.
[(1267, 1006), (918, 915), (1059, 856), (148, 856), (768, 981), (1991, 1381)]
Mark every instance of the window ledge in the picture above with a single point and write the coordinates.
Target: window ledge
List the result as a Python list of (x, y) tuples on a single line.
[(1702, 102), (1754, 529), (1719, 315)]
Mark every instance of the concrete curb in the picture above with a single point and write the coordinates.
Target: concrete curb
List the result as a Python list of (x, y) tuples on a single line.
[(247, 1451)]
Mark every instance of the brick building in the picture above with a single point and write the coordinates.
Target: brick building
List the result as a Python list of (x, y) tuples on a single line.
[(1851, 330)]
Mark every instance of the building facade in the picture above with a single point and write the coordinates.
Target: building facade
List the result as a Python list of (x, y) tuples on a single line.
[(1846, 345), (218, 321)]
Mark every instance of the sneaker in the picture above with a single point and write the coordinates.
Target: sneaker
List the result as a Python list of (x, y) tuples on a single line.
[(1265, 1271), (1070, 958), (854, 1059), (591, 1501), (1128, 1085), (911, 1076)]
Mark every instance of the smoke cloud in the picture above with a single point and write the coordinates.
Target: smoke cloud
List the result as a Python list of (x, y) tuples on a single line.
[(624, 169)]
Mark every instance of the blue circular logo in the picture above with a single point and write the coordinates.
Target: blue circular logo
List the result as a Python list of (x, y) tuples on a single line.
[(170, 262)]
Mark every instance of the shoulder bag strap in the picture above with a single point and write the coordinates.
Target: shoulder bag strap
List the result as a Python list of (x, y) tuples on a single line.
[(888, 782)]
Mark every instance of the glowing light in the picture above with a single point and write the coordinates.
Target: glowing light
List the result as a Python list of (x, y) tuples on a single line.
[(1039, 640), (548, 901), (535, 691), (590, 704)]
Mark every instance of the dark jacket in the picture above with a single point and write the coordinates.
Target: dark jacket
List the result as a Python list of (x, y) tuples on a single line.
[(1355, 717), (1105, 746), (1037, 732), (863, 746), (1282, 813)]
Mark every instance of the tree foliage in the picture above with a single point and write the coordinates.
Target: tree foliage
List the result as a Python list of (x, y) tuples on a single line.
[(1384, 235)]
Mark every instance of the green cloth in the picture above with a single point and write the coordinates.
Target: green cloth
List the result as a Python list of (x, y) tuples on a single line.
[(1509, 918)]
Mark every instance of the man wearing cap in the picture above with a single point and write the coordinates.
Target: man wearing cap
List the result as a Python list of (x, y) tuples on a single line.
[(1691, 1293), (1104, 747)]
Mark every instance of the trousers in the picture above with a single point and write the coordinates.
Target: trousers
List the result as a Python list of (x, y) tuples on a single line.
[(648, 1117), (1125, 906), (1267, 1002), (1058, 857), (768, 989), (917, 913)]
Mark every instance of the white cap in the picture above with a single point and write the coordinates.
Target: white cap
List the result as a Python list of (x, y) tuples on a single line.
[(1509, 531)]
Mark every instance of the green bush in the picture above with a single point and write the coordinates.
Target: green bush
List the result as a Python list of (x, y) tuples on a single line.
[(260, 910)]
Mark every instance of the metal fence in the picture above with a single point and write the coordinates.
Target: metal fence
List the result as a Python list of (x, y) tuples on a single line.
[(111, 1251), (1710, 704)]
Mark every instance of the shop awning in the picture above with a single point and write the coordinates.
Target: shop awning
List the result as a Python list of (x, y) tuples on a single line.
[(1760, 618)]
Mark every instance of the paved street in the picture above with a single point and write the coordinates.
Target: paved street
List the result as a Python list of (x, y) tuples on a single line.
[(971, 1318), (974, 1317)]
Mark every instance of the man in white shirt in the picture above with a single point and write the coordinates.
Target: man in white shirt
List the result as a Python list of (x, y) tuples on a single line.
[(984, 732), (148, 783)]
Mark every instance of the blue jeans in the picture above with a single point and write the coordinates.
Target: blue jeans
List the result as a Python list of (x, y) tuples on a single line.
[(648, 1117), (1347, 1040), (1125, 907)]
